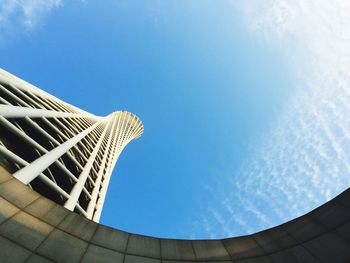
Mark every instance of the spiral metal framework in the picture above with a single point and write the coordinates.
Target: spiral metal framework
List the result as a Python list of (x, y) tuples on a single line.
[(59, 150)]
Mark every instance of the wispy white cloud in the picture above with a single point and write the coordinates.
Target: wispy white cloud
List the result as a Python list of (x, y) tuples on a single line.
[(305, 160), (18, 16)]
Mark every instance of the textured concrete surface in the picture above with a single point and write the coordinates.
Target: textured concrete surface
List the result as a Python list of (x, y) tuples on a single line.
[(35, 229)]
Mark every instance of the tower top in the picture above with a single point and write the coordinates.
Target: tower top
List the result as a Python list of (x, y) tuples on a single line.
[(132, 122), (59, 150)]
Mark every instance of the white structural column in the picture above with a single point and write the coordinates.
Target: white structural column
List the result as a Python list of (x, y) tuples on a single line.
[(106, 177), (12, 80), (20, 112), (128, 127), (61, 151), (78, 187), (28, 173), (92, 204), (19, 160)]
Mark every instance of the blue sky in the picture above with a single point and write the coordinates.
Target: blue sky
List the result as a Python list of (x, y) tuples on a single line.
[(245, 103)]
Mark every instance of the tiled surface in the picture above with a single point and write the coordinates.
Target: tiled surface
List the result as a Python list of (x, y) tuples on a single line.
[(344, 231), (47, 211), (294, 254), (5, 176), (110, 238), (100, 254), (34, 229), (271, 241), (7, 209), (136, 259), (38, 259), (304, 228), (242, 247), (143, 246), (78, 226), (332, 214), (11, 252), (329, 248), (62, 247), (25, 230), (210, 249), (17, 193), (261, 259), (177, 249)]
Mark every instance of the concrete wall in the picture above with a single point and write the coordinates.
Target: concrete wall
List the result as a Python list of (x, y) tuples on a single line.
[(35, 229)]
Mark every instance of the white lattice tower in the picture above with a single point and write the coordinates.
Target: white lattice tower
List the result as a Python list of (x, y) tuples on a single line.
[(59, 150)]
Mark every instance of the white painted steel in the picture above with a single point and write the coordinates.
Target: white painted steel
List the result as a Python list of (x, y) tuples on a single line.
[(10, 79), (92, 204), (78, 187), (21, 112), (19, 160), (84, 148), (128, 127), (28, 173)]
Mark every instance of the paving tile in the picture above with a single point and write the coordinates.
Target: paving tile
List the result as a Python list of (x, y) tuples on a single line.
[(261, 259), (62, 247), (292, 255), (17, 193), (181, 261), (344, 231), (100, 254), (274, 239), (304, 228), (11, 252), (6, 210), (143, 246), (26, 230), (242, 247), (135, 259), (177, 249), (110, 238), (47, 210), (329, 248), (78, 226), (38, 259), (210, 250), (4, 175), (332, 214), (201, 261)]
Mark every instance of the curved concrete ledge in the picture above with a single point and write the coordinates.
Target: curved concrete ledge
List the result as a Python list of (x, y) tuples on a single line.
[(35, 229)]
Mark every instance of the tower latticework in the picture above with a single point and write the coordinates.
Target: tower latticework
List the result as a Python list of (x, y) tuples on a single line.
[(59, 150)]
